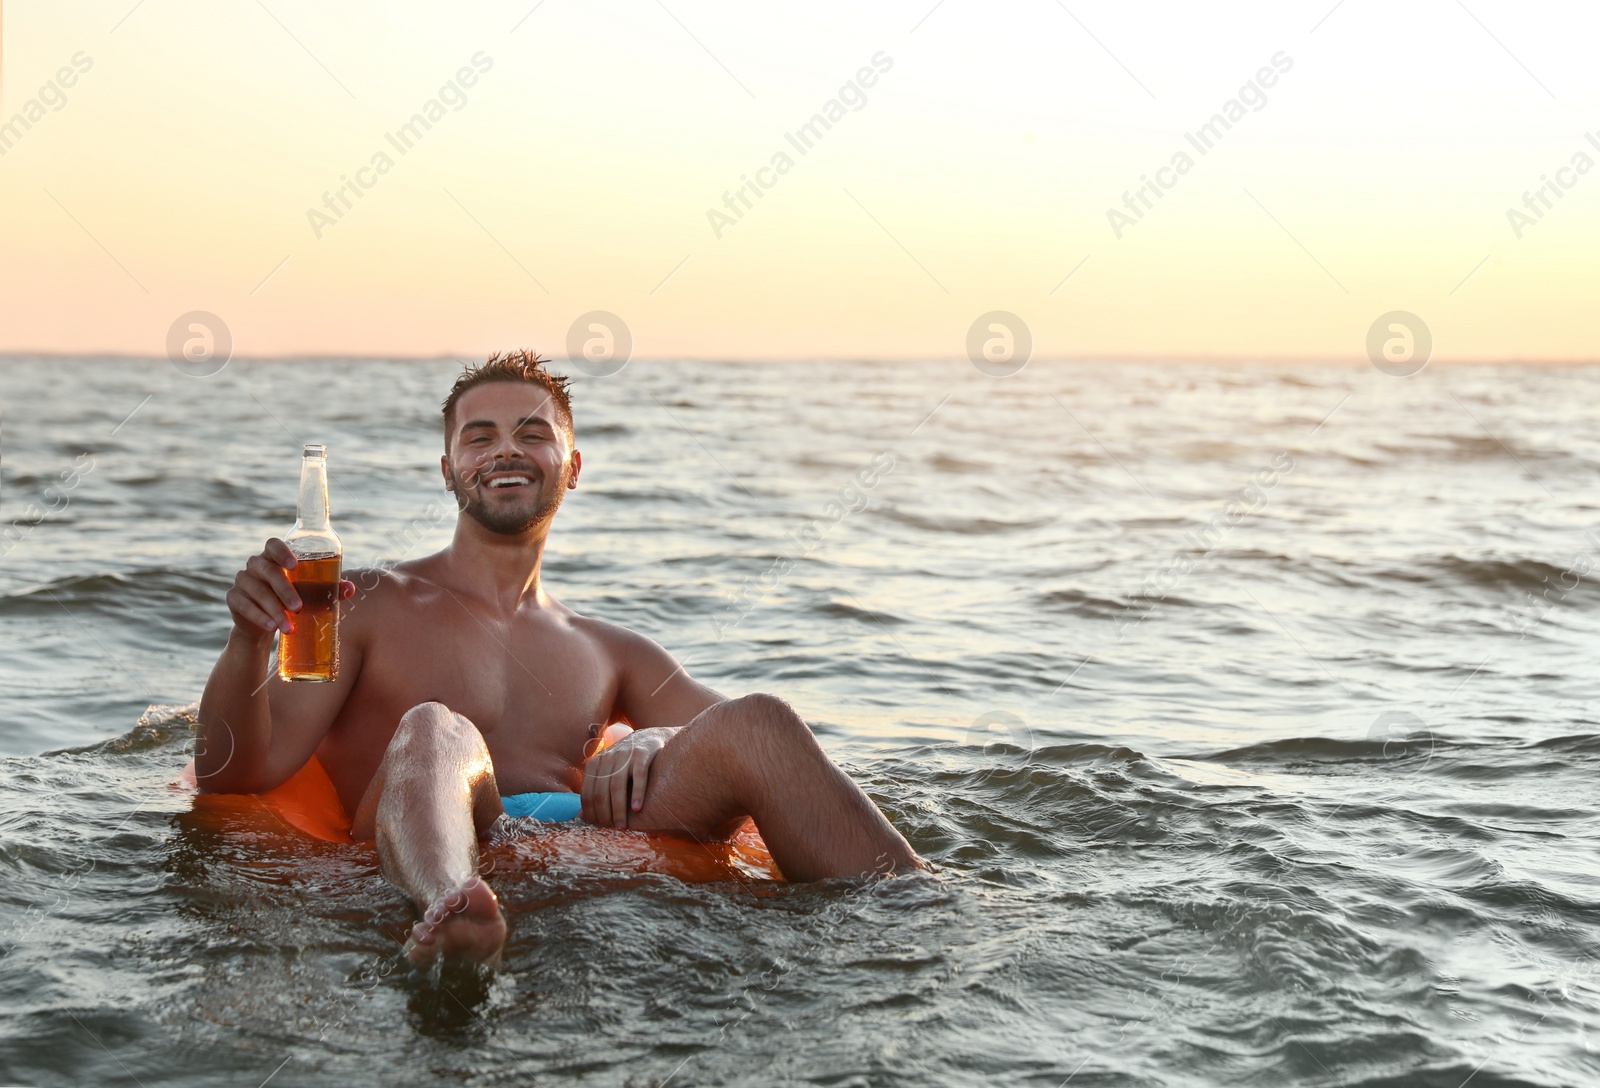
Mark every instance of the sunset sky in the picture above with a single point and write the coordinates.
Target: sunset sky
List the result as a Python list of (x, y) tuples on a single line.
[(193, 162)]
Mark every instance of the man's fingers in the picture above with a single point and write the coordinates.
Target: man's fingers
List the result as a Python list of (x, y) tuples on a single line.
[(596, 791), (267, 601), (641, 778), (277, 551), (606, 776), (347, 589), (247, 611), (586, 792), (273, 575), (619, 794), (260, 607)]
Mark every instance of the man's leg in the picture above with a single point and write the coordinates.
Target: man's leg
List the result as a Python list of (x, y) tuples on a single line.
[(433, 796), (756, 757)]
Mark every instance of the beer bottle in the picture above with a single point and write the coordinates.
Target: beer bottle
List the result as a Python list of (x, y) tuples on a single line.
[(310, 651)]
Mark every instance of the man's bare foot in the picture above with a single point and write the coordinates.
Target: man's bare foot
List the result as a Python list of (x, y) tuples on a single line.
[(465, 923)]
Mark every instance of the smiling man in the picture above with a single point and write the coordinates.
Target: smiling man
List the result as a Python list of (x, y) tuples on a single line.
[(462, 680)]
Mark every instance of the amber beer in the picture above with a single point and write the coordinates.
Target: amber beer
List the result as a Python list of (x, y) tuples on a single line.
[(310, 651)]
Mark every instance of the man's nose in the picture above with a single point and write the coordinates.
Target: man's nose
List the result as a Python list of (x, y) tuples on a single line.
[(506, 449)]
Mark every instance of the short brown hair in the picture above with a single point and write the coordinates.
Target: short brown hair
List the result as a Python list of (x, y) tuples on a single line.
[(513, 366)]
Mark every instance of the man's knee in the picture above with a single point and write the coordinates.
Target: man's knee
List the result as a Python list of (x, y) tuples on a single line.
[(424, 714), (763, 709), (432, 741), (760, 722), (428, 727)]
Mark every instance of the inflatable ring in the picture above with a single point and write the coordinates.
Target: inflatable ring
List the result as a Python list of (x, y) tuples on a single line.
[(308, 803)]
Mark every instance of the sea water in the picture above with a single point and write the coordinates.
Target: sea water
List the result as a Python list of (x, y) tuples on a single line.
[(1246, 713)]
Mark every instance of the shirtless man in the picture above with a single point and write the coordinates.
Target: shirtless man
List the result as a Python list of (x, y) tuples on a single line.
[(461, 680)]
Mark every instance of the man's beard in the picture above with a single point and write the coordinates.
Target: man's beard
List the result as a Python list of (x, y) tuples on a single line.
[(509, 519)]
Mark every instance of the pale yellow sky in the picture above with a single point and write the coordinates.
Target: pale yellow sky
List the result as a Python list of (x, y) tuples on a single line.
[(587, 165)]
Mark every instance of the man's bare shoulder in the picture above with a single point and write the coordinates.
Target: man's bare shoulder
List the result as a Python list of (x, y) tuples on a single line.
[(613, 636), (653, 687), (383, 591), (625, 647)]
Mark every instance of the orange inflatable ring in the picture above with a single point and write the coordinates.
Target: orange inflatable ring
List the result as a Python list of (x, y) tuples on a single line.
[(308, 803)]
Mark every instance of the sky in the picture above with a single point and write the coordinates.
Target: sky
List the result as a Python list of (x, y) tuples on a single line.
[(249, 159)]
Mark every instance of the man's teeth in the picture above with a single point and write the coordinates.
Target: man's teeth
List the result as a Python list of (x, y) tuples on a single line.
[(509, 481)]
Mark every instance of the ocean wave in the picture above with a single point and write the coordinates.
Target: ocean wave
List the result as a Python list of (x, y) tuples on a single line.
[(966, 526), (118, 592), (163, 727), (945, 462), (1077, 602), (840, 610), (1291, 751), (1485, 573), (1577, 744)]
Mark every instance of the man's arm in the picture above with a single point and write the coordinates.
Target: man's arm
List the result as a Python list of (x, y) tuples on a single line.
[(653, 690), (657, 697), (256, 730)]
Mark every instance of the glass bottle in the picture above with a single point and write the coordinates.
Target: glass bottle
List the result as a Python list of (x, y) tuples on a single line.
[(310, 651)]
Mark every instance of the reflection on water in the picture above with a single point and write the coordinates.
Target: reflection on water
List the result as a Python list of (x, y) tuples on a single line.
[(1300, 791)]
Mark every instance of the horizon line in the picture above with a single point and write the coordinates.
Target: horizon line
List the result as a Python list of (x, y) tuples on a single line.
[(1246, 360)]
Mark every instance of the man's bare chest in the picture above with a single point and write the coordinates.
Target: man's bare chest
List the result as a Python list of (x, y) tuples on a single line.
[(537, 693)]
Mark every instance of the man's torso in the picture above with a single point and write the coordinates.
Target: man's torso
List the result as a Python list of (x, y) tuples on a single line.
[(538, 684)]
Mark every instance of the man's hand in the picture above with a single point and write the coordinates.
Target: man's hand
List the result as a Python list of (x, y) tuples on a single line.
[(608, 774), (239, 746), (262, 596)]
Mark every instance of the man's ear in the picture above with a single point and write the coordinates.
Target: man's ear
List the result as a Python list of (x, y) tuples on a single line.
[(444, 469), (577, 466)]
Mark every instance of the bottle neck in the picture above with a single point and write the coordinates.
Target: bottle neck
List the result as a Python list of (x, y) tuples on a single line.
[(313, 511)]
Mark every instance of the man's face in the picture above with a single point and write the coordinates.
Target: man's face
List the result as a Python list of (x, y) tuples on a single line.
[(509, 460)]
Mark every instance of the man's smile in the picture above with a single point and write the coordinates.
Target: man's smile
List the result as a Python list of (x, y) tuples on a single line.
[(501, 481)]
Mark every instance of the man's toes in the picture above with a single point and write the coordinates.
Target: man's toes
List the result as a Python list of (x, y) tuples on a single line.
[(477, 899), (420, 949), (465, 921)]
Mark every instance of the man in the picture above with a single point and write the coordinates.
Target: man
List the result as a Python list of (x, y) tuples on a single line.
[(461, 680)]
